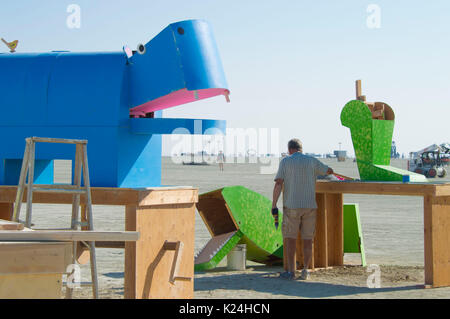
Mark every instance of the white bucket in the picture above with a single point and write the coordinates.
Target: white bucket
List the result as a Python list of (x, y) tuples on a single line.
[(237, 257)]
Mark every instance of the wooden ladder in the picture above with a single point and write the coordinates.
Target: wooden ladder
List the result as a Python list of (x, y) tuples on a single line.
[(75, 188)]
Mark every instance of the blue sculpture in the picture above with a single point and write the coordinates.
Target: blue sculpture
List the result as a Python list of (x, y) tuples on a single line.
[(112, 99)]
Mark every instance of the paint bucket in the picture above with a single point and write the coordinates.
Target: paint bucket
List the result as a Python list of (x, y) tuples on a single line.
[(237, 257)]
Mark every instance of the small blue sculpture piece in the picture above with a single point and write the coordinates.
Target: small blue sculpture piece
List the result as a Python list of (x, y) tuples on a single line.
[(112, 99)]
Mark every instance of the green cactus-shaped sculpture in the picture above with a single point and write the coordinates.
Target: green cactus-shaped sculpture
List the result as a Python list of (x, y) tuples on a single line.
[(371, 126)]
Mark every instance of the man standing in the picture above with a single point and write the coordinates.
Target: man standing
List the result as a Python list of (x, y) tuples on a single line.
[(298, 173), (221, 160)]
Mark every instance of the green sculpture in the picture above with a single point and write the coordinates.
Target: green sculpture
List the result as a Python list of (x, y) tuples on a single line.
[(353, 237), (371, 126), (236, 215)]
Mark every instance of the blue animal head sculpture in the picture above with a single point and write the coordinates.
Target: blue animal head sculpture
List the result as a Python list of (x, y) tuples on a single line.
[(180, 65), (112, 99)]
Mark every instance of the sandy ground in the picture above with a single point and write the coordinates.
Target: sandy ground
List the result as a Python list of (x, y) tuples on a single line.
[(392, 229)]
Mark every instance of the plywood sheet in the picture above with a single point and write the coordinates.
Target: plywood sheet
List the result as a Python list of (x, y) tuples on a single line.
[(34, 257), (30, 286)]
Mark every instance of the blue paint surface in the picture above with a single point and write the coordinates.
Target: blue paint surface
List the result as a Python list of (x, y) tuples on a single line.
[(89, 96)]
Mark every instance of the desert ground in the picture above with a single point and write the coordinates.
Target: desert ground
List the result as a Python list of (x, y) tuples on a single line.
[(392, 230)]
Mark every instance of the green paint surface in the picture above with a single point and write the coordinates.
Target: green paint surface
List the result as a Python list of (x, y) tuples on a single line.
[(353, 238), (372, 141), (253, 214)]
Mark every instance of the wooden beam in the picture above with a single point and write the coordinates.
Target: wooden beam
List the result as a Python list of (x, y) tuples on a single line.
[(110, 244), (152, 271), (30, 286), (358, 89), (34, 257), (437, 241), (112, 196), (56, 140), (41, 235), (335, 229), (382, 188), (6, 211), (9, 225), (173, 196), (320, 238), (131, 224)]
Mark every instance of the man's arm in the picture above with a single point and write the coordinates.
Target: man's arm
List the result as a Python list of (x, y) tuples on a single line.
[(322, 169), (277, 191)]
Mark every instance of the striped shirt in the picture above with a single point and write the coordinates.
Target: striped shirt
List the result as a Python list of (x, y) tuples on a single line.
[(299, 173)]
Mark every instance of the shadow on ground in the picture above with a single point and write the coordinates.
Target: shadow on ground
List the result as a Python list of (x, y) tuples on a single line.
[(269, 282)]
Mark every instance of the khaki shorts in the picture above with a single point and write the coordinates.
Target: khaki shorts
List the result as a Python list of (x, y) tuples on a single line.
[(303, 219)]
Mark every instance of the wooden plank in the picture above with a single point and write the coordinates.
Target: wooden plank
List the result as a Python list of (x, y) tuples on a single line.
[(320, 238), (335, 229), (381, 188), (57, 186), (112, 196), (442, 191), (9, 225), (377, 114), (56, 140), (22, 179), (34, 257), (58, 191), (6, 211), (100, 196), (174, 196), (31, 286), (83, 253), (358, 89), (130, 254), (428, 239), (299, 253), (42, 235), (153, 263), (437, 242), (216, 215), (110, 244), (30, 184)]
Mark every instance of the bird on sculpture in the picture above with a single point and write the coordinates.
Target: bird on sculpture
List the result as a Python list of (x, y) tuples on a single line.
[(11, 45)]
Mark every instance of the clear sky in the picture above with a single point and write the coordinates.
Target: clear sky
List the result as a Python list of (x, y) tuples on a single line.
[(289, 64)]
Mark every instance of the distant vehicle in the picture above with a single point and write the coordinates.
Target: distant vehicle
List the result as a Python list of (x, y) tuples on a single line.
[(430, 161), (341, 155)]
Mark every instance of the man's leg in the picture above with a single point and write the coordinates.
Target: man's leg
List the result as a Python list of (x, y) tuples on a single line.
[(290, 228), (308, 227), (291, 244), (307, 252)]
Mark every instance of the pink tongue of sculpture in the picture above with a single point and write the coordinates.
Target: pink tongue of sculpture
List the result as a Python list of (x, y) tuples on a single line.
[(177, 98)]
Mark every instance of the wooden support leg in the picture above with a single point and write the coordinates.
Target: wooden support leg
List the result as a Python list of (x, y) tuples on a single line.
[(6, 211), (437, 241), (83, 254), (130, 254), (148, 263), (299, 253), (320, 239), (335, 228)]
